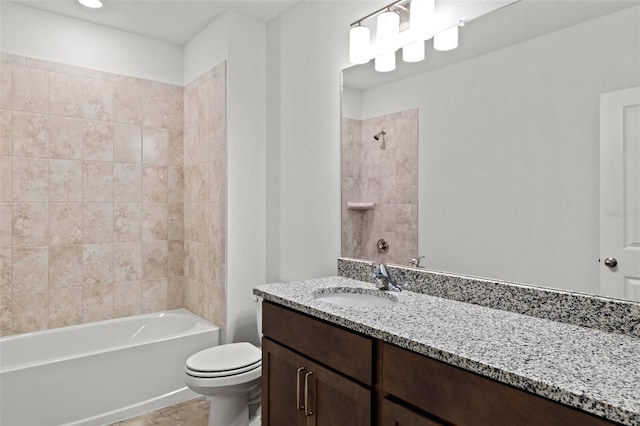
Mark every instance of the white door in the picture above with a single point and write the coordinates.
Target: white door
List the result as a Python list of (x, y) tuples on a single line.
[(620, 194)]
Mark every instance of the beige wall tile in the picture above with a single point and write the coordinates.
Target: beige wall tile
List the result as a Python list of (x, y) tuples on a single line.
[(154, 184), (97, 264), (65, 95), (155, 110), (97, 303), (30, 89), (65, 137), (175, 213), (97, 141), (97, 223), (97, 183), (127, 261), (5, 132), (5, 224), (65, 307), (127, 224), (30, 178), (175, 151), (5, 178), (30, 224), (65, 266), (30, 269), (30, 135), (5, 292), (97, 99), (65, 180), (176, 108), (196, 183), (5, 86), (127, 299), (154, 222), (30, 311), (127, 143), (176, 258), (127, 183), (155, 144), (175, 185), (155, 260), (65, 223), (154, 296), (175, 293), (127, 103), (216, 183)]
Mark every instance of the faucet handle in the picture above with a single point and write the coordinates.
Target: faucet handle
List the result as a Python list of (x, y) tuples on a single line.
[(415, 262)]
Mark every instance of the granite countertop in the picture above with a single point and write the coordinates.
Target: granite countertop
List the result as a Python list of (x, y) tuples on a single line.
[(589, 369)]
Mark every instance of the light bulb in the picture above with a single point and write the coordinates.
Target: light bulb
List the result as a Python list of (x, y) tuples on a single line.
[(446, 40), (93, 4), (387, 30), (359, 41), (413, 52), (386, 62), (421, 17)]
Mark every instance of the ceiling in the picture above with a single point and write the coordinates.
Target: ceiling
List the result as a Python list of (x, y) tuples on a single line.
[(173, 21)]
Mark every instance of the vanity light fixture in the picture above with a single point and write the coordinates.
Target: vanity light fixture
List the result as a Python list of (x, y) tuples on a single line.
[(422, 24), (93, 4)]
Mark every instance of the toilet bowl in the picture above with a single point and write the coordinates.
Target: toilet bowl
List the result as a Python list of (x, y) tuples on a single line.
[(229, 376)]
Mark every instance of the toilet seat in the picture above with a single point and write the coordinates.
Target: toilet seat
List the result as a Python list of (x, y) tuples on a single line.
[(224, 361)]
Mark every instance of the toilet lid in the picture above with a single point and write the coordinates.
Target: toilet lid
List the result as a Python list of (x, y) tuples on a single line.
[(230, 357), (215, 374)]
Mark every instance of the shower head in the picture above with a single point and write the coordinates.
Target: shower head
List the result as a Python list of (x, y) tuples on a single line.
[(382, 133)]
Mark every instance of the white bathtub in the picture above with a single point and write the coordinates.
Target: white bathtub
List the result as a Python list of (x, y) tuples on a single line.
[(99, 373)]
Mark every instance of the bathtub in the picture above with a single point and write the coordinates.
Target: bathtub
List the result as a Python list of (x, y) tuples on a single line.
[(99, 373)]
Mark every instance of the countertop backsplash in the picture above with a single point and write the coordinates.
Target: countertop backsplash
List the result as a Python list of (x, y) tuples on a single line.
[(602, 313)]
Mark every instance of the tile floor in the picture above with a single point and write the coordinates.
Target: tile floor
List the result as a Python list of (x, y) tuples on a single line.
[(194, 412)]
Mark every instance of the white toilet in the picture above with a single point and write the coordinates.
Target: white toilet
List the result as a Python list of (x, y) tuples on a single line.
[(229, 376)]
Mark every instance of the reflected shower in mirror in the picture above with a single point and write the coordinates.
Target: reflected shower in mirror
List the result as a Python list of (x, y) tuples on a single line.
[(379, 185), (509, 145)]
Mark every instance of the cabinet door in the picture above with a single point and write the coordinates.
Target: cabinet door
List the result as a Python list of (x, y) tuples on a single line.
[(335, 400), (282, 371)]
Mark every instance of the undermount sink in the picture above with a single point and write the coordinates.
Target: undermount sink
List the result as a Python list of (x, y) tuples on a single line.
[(354, 297)]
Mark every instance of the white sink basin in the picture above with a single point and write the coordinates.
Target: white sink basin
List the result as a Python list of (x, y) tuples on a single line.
[(350, 298)]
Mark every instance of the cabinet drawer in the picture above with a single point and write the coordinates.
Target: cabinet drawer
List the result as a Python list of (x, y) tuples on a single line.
[(465, 398), (396, 415), (344, 351)]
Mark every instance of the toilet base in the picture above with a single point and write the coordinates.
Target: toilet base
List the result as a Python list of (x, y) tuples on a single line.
[(230, 410)]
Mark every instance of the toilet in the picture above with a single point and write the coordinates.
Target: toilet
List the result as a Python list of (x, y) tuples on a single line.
[(229, 376)]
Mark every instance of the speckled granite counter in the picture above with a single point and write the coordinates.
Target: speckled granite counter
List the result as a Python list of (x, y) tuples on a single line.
[(589, 369)]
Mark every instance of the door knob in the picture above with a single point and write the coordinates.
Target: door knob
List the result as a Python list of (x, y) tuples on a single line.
[(610, 262)]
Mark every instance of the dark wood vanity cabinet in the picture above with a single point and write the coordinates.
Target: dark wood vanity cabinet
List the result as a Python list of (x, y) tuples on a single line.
[(313, 373), (353, 380), (463, 398)]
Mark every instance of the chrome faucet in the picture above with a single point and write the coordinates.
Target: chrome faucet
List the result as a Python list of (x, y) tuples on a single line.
[(383, 277)]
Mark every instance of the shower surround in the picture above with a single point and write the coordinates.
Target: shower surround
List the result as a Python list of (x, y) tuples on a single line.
[(383, 171), (92, 195)]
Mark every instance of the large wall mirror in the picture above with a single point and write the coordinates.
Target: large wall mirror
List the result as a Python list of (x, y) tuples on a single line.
[(486, 159)]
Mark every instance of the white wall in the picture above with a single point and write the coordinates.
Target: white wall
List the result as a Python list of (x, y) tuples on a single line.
[(43, 35), (309, 44), (351, 103), (509, 153), (241, 41)]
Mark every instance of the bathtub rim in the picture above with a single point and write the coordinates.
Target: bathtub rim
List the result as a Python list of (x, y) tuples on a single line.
[(202, 326)]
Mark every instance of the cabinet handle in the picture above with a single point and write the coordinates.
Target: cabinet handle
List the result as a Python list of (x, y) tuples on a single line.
[(299, 406), (306, 394)]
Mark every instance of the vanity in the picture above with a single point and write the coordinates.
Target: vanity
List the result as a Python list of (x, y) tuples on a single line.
[(425, 360)]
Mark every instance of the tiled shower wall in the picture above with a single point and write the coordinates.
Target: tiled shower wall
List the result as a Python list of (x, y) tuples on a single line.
[(205, 195), (91, 195), (384, 172)]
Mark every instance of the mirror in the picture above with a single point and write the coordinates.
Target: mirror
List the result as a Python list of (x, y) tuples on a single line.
[(508, 140)]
